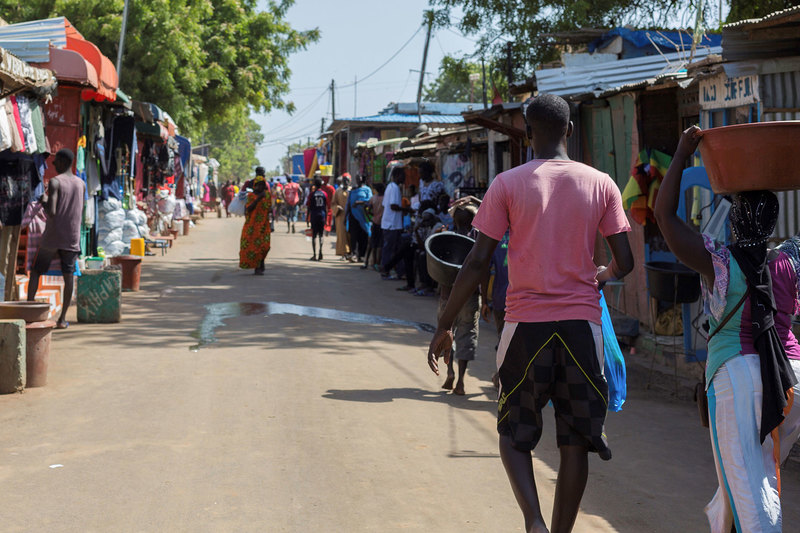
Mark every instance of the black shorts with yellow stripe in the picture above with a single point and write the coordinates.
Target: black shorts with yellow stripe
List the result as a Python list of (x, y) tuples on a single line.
[(559, 361)]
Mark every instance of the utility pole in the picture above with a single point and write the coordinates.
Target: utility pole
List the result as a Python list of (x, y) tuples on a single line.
[(422, 70), (122, 41), (509, 66), (355, 97), (322, 127), (333, 102), (483, 80)]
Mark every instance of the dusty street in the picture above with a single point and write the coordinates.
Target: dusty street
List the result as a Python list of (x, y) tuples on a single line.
[(254, 418)]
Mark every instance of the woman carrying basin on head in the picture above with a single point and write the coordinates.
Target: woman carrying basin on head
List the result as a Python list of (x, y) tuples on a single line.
[(750, 294), (255, 241)]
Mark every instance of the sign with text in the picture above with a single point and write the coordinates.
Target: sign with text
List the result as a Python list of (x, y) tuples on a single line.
[(721, 92)]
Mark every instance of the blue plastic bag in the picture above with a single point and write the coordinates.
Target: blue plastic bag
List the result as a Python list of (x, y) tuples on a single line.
[(614, 362)]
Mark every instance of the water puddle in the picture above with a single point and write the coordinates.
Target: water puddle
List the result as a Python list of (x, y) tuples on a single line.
[(217, 314)]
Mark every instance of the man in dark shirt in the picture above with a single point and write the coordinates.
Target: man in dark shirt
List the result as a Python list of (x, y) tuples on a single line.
[(317, 214), (64, 204)]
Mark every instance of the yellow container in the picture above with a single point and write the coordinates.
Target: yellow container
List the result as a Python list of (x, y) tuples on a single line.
[(137, 247)]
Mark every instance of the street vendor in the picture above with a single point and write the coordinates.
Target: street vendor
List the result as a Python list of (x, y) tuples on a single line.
[(753, 357)]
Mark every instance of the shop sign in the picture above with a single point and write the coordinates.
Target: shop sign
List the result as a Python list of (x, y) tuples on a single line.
[(721, 92)]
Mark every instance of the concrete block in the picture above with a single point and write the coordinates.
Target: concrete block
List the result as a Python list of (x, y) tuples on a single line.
[(12, 356)]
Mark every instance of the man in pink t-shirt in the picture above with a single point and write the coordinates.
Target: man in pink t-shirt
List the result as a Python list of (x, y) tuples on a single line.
[(551, 348)]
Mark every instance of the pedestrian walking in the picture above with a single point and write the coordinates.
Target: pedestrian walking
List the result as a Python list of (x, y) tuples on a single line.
[(375, 208), (291, 194), (551, 347), (63, 203), (358, 223), (317, 215), (494, 309), (227, 196), (255, 242), (339, 206), (392, 218), (753, 357), (330, 190), (466, 324)]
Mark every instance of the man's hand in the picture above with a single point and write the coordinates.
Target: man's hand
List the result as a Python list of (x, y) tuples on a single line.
[(486, 311), (441, 345)]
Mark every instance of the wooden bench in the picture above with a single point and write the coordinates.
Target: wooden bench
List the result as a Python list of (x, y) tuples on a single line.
[(160, 241)]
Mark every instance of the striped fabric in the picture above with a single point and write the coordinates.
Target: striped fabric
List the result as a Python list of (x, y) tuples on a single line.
[(748, 472)]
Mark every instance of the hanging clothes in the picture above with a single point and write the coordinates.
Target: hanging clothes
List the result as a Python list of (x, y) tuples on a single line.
[(5, 127), (12, 115), (26, 123), (37, 117), (16, 177)]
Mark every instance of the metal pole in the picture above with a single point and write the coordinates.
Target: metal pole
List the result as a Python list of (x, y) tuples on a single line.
[(483, 80), (122, 42), (422, 71), (355, 97), (333, 102), (509, 70)]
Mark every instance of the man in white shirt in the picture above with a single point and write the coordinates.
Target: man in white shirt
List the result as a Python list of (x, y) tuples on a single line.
[(392, 221)]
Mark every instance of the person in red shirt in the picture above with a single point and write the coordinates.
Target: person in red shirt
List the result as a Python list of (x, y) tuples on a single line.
[(551, 347), (291, 194)]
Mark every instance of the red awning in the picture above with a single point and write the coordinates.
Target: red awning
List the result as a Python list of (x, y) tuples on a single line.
[(106, 73), (70, 67)]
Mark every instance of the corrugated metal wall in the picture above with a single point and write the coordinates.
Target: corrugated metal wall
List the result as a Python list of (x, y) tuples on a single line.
[(780, 99), (780, 91)]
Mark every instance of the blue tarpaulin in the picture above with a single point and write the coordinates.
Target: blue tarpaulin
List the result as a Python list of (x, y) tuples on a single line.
[(298, 167), (665, 40)]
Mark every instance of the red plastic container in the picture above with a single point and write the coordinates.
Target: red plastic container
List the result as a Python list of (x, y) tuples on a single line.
[(131, 271), (749, 157)]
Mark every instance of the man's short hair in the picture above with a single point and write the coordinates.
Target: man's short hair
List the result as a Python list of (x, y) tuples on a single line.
[(66, 155), (548, 115), (260, 171), (317, 182)]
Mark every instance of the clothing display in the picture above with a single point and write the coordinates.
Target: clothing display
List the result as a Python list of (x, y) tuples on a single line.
[(26, 123), (18, 177)]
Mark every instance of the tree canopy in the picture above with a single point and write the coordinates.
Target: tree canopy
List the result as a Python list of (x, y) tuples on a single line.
[(200, 60), (206, 62), (529, 25), (452, 83)]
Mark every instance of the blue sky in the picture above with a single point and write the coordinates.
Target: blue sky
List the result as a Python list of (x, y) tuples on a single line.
[(357, 36)]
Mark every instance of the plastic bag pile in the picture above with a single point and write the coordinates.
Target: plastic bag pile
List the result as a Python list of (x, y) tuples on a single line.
[(116, 227)]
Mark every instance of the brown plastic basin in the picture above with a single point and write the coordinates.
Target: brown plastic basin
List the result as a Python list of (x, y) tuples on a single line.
[(27, 311), (749, 157)]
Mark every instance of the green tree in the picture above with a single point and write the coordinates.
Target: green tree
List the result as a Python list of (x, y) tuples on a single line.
[(294, 148), (748, 9), (200, 60), (529, 25), (233, 143), (452, 84)]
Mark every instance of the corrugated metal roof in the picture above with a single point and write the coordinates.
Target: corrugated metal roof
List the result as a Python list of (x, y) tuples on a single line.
[(772, 17), (574, 81), (30, 50), (51, 30), (406, 119)]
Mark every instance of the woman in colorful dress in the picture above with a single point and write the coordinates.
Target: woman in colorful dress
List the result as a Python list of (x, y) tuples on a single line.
[(256, 231), (751, 293)]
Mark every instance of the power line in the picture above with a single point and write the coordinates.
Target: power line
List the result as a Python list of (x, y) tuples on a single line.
[(299, 114), (386, 62)]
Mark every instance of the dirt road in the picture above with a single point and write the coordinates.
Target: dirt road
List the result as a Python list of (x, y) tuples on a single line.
[(197, 413)]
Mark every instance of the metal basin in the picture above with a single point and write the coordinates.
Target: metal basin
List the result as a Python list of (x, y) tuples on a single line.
[(751, 156), (672, 282), (446, 253), (27, 311)]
